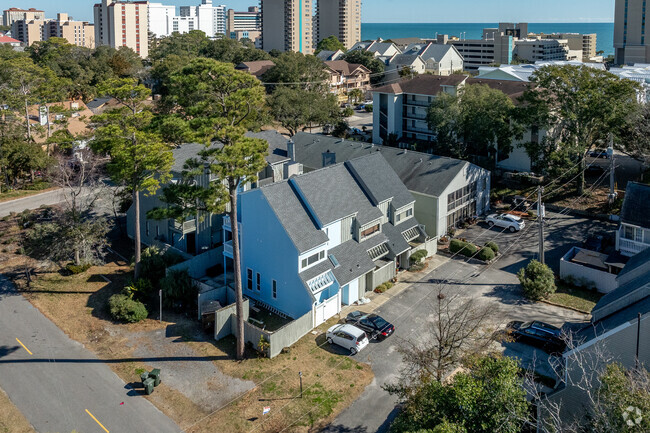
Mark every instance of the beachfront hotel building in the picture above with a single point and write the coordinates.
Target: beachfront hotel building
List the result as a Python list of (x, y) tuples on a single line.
[(630, 42), (123, 24), (287, 25), (496, 49), (340, 18), (78, 33), (245, 25), (15, 14), (210, 19), (576, 41)]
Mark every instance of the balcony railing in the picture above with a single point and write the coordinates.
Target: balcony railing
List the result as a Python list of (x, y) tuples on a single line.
[(227, 249), (185, 227), (417, 103)]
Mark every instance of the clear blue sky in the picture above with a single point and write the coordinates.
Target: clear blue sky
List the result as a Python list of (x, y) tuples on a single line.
[(404, 11)]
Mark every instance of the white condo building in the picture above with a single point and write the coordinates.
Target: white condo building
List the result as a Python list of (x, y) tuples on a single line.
[(211, 20)]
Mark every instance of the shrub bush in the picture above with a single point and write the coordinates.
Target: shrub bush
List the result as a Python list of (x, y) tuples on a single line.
[(179, 290), (418, 256), (74, 269), (537, 281), (348, 112), (139, 290), (125, 309), (462, 247), (381, 288), (369, 108), (486, 254), (493, 246)]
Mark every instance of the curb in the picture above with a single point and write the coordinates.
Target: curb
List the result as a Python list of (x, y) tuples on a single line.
[(565, 307)]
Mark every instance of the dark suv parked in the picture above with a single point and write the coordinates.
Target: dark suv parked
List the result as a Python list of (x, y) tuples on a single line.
[(539, 334)]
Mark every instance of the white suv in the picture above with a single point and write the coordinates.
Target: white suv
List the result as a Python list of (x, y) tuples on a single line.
[(347, 336), (507, 221)]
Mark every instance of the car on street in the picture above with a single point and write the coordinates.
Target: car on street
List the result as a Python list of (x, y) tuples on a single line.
[(374, 325), (506, 221), (539, 334), (348, 337), (599, 153)]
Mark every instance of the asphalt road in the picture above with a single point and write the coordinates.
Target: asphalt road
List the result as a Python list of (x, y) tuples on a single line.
[(61, 386), (496, 286), (32, 202)]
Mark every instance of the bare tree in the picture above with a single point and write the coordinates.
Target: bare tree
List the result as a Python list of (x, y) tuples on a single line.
[(456, 332), (77, 233)]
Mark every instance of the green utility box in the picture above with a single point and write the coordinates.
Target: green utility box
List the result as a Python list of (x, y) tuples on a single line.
[(144, 376), (148, 386), (155, 375)]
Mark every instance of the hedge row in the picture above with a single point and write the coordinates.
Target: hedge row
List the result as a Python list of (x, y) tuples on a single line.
[(487, 253), (383, 287)]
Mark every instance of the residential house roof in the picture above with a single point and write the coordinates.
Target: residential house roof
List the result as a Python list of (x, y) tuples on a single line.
[(293, 216), (405, 59), (379, 181), (430, 85), (97, 103), (514, 89), (332, 194), (636, 205), (420, 172), (185, 152), (382, 48), (437, 51), (75, 123), (277, 145), (4, 39), (634, 286), (256, 68), (326, 55), (344, 68)]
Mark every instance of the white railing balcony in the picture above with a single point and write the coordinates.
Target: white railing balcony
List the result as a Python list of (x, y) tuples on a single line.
[(227, 249), (321, 282), (185, 227), (630, 248)]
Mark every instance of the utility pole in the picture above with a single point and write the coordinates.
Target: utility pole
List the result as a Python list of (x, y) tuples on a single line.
[(612, 191), (540, 222), (160, 295)]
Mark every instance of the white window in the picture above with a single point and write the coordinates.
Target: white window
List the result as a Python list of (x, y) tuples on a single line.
[(315, 258)]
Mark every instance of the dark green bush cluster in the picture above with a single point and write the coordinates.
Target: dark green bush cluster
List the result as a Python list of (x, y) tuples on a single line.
[(383, 287), (485, 254), (179, 291), (462, 247), (493, 246), (418, 256), (77, 269), (537, 280), (125, 309)]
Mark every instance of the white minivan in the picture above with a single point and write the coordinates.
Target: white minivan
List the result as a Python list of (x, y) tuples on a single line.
[(347, 336)]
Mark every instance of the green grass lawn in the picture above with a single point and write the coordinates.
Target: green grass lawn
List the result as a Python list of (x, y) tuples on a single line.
[(36, 188), (575, 297)]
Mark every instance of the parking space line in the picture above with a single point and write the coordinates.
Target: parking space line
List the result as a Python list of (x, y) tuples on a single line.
[(93, 417), (21, 343)]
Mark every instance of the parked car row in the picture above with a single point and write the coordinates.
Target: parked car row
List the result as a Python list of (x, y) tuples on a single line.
[(359, 327)]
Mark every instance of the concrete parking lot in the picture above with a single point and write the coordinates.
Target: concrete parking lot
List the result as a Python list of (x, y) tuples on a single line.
[(495, 286)]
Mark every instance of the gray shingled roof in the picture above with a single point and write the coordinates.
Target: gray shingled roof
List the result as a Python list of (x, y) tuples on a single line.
[(420, 172), (293, 216), (405, 59), (188, 151), (277, 145), (625, 315), (436, 51), (379, 181), (636, 205), (354, 261), (333, 194), (396, 241)]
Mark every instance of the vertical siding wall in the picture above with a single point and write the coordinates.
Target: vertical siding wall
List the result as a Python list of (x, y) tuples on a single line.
[(197, 266), (383, 274), (225, 321)]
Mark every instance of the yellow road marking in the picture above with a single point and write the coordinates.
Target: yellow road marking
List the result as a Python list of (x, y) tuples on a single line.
[(93, 417), (21, 343)]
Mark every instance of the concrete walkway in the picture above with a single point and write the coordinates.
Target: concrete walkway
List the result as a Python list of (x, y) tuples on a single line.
[(59, 385)]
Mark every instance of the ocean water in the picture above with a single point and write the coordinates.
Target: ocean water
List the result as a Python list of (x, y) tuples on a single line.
[(605, 31)]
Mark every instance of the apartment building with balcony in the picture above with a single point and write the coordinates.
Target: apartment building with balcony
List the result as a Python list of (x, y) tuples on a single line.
[(245, 25), (123, 24), (287, 25), (633, 235), (16, 14), (211, 20), (495, 49), (586, 43), (340, 18), (327, 238), (346, 76), (545, 50), (203, 232), (631, 44), (446, 190)]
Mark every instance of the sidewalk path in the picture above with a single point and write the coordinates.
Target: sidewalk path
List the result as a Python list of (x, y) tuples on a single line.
[(60, 386)]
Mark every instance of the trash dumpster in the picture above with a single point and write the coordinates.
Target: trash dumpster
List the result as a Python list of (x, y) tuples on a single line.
[(148, 386), (155, 375), (144, 376)]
